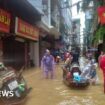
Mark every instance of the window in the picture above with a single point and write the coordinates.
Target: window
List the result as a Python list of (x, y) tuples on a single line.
[(45, 6)]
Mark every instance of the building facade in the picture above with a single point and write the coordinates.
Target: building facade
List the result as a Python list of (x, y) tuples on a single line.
[(65, 22), (19, 33), (89, 12), (49, 28), (34, 26), (78, 18)]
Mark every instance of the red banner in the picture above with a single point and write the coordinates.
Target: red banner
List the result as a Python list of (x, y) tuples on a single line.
[(101, 14), (5, 19), (26, 30)]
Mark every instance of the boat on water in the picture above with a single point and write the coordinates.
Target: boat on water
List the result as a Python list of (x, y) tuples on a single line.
[(72, 78)]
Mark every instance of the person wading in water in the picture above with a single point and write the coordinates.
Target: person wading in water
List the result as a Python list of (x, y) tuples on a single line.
[(48, 64)]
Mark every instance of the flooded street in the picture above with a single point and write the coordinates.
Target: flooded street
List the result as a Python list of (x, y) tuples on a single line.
[(36, 34), (55, 92)]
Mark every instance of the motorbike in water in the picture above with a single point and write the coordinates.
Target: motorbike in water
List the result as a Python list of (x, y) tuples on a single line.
[(72, 78), (13, 86)]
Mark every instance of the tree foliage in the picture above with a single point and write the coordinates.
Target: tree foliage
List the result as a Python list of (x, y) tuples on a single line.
[(99, 34)]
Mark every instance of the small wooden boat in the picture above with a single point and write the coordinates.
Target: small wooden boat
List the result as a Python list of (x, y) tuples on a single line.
[(69, 78)]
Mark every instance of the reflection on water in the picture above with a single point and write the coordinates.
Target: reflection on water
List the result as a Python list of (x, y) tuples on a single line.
[(75, 100)]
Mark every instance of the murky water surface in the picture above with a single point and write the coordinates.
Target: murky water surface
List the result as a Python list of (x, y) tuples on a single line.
[(55, 92)]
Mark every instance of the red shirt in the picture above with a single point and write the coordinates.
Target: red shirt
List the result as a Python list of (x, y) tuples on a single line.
[(102, 62)]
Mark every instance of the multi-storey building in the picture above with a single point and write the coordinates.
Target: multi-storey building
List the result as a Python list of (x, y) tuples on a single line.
[(49, 23), (66, 20), (78, 18), (88, 25), (37, 30)]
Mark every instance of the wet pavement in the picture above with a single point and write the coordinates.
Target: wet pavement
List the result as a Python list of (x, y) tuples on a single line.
[(55, 92)]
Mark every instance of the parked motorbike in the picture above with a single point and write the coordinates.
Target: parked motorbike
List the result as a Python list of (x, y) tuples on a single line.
[(13, 86)]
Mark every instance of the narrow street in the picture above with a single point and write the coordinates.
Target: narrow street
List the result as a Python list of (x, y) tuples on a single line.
[(36, 33), (55, 92)]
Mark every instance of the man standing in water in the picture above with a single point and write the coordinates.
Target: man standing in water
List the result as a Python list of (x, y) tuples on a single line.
[(48, 64)]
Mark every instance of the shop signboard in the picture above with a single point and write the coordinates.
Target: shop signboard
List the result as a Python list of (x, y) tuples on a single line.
[(24, 29), (5, 19)]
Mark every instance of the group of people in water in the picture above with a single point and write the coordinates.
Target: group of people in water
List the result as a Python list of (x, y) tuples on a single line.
[(48, 62), (88, 72)]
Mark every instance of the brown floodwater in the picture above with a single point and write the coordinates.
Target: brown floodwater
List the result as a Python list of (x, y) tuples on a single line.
[(55, 92)]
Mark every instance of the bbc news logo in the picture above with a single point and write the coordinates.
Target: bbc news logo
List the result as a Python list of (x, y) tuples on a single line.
[(6, 93)]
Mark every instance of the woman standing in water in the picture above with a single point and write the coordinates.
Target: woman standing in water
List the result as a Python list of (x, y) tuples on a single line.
[(48, 65)]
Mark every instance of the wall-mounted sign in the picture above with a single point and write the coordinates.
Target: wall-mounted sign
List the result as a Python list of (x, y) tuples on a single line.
[(5, 19), (26, 30)]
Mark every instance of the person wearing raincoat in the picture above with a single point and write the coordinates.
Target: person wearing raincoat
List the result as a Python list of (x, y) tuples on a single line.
[(48, 64), (86, 72)]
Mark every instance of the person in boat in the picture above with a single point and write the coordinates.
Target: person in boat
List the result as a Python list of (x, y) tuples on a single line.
[(66, 67), (75, 72), (66, 55), (48, 64)]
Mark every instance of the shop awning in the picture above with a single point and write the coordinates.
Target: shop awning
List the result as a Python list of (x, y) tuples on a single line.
[(43, 26), (49, 29)]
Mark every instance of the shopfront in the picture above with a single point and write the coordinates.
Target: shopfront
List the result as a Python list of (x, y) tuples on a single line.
[(31, 36), (13, 52), (16, 47), (5, 19), (18, 32)]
